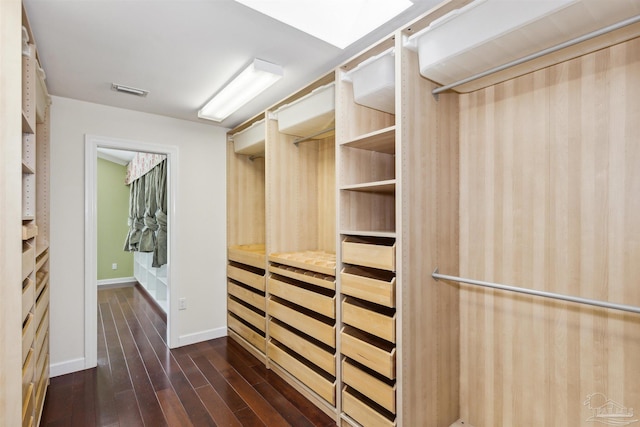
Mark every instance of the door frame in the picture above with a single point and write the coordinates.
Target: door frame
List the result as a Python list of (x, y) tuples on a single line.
[(92, 143)]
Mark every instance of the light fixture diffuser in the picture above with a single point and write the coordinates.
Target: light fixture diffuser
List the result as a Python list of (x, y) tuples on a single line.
[(252, 81), (338, 22)]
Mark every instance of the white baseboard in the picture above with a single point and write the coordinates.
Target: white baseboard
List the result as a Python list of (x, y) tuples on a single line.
[(117, 281), (197, 337), (63, 368)]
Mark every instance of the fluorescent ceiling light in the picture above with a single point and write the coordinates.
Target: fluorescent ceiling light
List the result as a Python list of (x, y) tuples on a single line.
[(338, 22), (253, 80)]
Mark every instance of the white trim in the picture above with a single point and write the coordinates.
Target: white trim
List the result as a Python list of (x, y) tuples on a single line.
[(118, 281), (92, 143), (63, 368), (197, 337)]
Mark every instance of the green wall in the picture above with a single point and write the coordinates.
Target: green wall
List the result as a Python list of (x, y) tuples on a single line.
[(113, 211)]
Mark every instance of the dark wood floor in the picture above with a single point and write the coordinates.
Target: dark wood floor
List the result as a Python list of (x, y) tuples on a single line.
[(140, 382)]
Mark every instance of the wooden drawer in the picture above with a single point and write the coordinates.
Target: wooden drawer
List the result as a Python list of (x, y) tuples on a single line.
[(363, 413), (311, 326), (253, 337), (41, 259), (253, 255), (29, 230), (27, 407), (302, 295), (28, 332), (370, 252), (42, 365), (28, 372), (375, 354), (318, 261), (379, 391), (310, 351), (28, 296), (41, 333), (42, 279), (321, 385), (246, 314), (376, 286), (41, 389), (250, 297), (42, 304), (28, 259), (381, 322), (245, 276), (318, 279)]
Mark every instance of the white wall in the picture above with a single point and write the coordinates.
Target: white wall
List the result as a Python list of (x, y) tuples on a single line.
[(199, 252)]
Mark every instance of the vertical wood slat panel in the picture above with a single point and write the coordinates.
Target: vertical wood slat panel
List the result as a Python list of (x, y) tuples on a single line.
[(550, 187)]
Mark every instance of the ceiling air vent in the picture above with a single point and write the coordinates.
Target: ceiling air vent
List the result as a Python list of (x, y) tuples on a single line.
[(130, 90)]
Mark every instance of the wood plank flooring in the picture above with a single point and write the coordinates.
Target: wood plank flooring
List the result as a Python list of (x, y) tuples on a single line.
[(140, 382)]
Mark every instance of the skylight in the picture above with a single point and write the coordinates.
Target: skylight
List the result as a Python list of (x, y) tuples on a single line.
[(338, 22)]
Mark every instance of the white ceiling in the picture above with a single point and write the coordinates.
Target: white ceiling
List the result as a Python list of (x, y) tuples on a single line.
[(181, 51)]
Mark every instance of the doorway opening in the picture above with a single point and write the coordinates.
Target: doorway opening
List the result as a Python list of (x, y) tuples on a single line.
[(161, 286)]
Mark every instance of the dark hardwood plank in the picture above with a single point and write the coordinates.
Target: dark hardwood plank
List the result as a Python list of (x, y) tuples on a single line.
[(139, 381), (173, 409), (217, 408)]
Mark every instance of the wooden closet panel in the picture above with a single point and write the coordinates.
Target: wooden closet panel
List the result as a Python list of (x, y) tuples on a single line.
[(245, 198), (428, 341), (327, 195), (549, 185)]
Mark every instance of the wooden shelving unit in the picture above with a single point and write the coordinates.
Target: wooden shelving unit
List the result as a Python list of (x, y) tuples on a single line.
[(246, 251), (153, 279), (35, 234)]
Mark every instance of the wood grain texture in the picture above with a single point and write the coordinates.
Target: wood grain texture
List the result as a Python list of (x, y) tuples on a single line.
[(245, 199), (549, 200), (428, 322)]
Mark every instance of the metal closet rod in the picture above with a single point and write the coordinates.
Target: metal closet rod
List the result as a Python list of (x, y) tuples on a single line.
[(536, 55), (307, 138), (604, 304)]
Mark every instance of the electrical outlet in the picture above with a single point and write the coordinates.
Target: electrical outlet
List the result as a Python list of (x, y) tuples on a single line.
[(114, 266), (182, 304)]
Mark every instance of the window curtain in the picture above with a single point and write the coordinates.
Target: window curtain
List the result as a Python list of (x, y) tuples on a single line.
[(148, 214)]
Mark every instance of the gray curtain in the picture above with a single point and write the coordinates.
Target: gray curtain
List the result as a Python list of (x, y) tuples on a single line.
[(148, 235), (148, 214), (160, 252), (136, 214)]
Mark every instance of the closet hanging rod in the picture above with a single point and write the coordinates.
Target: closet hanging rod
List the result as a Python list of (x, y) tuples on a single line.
[(307, 138), (543, 52), (604, 304)]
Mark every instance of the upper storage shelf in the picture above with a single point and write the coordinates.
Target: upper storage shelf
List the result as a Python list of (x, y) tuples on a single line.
[(374, 82), (250, 141), (311, 115)]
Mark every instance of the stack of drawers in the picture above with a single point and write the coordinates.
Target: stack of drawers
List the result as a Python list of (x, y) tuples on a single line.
[(302, 319), (246, 302), (368, 335)]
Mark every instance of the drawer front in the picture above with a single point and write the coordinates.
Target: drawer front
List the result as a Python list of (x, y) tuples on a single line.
[(253, 255), (28, 296), (28, 371), (248, 315), (28, 332), (255, 299), (247, 277), (41, 333), (378, 391), (368, 288), (42, 304), (369, 255), (303, 297), (316, 382), (257, 340), (310, 326), (363, 318), (27, 406), (318, 279), (316, 355), (28, 260), (363, 413), (373, 357)]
